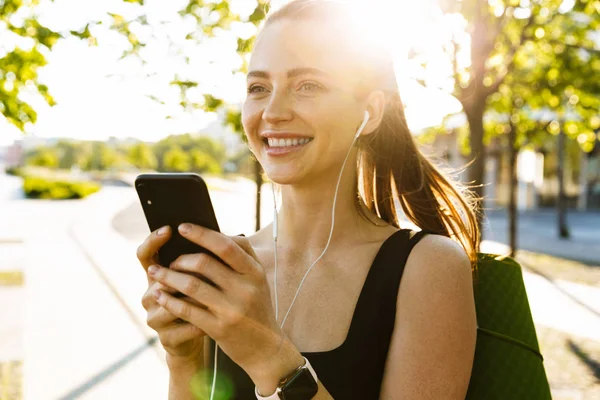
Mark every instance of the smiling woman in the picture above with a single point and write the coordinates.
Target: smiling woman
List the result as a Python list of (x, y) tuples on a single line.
[(333, 300)]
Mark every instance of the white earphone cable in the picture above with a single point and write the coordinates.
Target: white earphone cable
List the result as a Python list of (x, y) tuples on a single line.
[(275, 234), (214, 380)]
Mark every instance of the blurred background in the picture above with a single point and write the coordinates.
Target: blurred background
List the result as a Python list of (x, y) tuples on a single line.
[(94, 92)]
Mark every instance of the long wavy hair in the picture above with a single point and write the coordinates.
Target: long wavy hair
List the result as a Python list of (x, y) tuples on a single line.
[(391, 169)]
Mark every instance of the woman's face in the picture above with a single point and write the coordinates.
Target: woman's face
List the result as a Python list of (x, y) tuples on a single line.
[(302, 109)]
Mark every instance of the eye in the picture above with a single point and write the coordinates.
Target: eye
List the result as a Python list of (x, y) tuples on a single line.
[(256, 89), (310, 87)]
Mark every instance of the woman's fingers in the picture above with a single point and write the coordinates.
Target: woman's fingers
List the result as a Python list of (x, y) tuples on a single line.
[(175, 335), (189, 285), (204, 265), (160, 318), (148, 250), (195, 315), (222, 246), (148, 300)]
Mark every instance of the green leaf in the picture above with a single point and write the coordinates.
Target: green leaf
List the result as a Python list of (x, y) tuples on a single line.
[(211, 103)]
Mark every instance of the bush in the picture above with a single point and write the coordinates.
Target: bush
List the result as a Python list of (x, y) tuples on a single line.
[(15, 171), (42, 188)]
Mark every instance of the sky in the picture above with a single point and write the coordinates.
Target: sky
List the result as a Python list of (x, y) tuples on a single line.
[(98, 95)]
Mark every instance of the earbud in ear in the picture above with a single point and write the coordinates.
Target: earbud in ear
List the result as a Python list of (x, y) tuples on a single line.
[(362, 126)]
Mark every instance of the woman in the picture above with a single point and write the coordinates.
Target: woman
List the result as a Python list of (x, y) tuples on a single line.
[(385, 313)]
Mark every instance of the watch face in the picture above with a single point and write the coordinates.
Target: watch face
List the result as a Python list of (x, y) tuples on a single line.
[(301, 386)]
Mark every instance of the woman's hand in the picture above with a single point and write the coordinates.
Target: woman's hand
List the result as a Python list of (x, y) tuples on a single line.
[(183, 342), (239, 313)]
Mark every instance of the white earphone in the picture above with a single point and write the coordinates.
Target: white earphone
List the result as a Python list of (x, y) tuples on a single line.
[(275, 230), (362, 126)]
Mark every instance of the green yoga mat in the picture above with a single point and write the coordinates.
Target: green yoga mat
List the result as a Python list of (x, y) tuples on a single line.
[(508, 363)]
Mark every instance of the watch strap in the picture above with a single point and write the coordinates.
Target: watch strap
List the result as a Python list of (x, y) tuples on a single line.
[(275, 396)]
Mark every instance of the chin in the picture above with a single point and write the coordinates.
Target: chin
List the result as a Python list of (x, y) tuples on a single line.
[(283, 176)]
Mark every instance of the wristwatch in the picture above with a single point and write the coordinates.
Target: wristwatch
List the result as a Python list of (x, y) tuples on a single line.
[(301, 384)]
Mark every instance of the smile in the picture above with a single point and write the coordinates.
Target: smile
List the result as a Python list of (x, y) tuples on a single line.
[(274, 142), (279, 146)]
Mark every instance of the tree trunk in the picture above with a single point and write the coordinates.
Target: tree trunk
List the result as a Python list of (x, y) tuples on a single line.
[(512, 190), (476, 170), (561, 206), (259, 182), (582, 202)]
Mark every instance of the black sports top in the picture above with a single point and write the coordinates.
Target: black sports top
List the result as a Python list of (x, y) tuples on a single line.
[(355, 369)]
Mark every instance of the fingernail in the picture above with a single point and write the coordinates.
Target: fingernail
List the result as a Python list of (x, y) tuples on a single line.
[(163, 230), (185, 228), (152, 270), (157, 294)]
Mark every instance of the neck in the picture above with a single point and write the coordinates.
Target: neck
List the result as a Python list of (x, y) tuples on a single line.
[(305, 216)]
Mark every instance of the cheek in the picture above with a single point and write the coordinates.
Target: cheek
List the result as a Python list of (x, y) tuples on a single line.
[(251, 117), (331, 117)]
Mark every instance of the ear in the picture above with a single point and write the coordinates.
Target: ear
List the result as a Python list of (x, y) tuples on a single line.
[(376, 108)]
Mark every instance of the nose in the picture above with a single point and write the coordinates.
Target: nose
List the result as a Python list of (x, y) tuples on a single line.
[(279, 108)]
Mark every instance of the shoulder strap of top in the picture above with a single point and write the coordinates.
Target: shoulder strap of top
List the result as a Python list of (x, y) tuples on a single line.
[(391, 276), (416, 238), (376, 286)]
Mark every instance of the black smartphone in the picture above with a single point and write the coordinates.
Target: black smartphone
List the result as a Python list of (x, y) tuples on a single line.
[(172, 199)]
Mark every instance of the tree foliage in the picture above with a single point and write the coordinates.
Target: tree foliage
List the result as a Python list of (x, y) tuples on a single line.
[(545, 47), (176, 153), (19, 65), (141, 156)]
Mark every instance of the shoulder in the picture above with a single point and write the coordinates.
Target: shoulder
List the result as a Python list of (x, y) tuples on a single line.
[(440, 256), (437, 283), (435, 320), (437, 276)]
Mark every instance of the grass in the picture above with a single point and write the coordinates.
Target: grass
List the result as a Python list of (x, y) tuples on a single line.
[(11, 278)]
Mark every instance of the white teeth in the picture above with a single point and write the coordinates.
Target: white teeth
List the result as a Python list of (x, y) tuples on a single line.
[(273, 142)]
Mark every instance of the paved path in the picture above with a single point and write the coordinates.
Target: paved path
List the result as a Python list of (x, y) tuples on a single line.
[(12, 258), (80, 339), (537, 232)]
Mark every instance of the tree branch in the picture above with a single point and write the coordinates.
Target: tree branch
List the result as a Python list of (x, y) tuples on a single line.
[(501, 21)]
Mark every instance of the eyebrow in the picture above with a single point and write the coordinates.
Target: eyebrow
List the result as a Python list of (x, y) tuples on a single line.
[(291, 73)]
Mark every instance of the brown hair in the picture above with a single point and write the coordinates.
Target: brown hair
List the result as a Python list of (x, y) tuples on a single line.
[(390, 166)]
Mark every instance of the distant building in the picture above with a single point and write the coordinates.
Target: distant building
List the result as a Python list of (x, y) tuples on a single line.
[(537, 182), (13, 156)]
